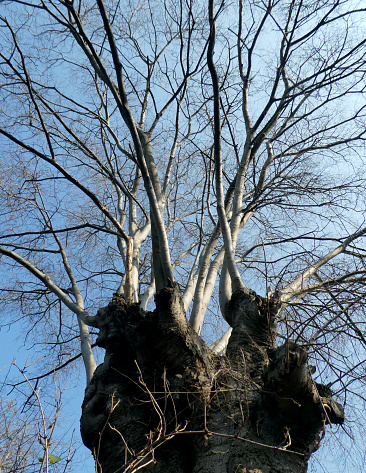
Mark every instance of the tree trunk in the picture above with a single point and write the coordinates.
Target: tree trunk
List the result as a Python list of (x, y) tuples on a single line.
[(162, 401)]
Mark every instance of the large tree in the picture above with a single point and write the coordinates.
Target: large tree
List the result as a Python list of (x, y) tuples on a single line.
[(187, 179)]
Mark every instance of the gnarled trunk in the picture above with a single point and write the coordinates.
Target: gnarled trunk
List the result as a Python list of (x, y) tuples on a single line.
[(162, 401)]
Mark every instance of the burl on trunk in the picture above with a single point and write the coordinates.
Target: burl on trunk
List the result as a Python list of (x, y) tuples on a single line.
[(162, 401)]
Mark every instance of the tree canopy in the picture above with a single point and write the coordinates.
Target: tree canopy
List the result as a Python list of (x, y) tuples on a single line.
[(215, 147)]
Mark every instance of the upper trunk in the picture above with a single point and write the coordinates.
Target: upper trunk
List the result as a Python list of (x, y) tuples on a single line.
[(164, 402)]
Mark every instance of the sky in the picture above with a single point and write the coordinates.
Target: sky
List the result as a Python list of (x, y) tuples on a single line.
[(11, 350)]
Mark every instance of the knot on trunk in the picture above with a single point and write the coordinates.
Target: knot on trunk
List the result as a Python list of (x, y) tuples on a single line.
[(292, 394), (252, 318), (257, 314), (113, 319)]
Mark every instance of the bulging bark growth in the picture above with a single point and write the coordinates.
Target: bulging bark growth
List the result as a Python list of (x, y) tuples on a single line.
[(162, 401)]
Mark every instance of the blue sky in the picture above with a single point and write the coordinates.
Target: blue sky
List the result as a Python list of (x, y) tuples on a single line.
[(11, 349)]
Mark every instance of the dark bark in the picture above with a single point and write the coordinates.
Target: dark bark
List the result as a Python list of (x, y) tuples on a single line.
[(163, 399)]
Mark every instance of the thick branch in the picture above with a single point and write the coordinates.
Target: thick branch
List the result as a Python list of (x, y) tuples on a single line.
[(229, 251), (296, 286), (82, 316)]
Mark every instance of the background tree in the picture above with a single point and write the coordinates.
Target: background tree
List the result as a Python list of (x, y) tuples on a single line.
[(28, 441), (211, 157)]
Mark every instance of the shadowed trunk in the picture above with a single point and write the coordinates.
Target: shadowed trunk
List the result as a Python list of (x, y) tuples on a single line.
[(162, 401)]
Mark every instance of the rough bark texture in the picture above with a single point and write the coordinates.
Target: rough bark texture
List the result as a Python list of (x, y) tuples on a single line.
[(163, 402)]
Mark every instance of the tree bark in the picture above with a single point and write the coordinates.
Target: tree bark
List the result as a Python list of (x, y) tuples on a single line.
[(162, 401)]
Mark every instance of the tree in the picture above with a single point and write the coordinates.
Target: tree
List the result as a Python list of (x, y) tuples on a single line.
[(210, 157), (28, 434)]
